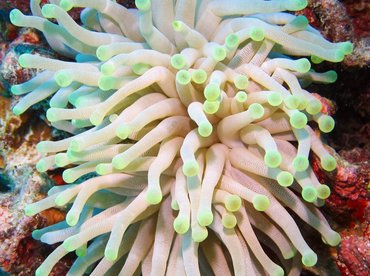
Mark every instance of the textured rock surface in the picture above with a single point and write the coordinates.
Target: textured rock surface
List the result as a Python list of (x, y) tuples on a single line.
[(21, 184), (353, 255), (341, 21), (10, 71)]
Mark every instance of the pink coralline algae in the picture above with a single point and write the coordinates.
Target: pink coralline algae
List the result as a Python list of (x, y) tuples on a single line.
[(349, 197), (353, 255)]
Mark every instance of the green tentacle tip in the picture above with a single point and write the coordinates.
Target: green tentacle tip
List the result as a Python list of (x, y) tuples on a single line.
[(232, 41), (61, 159), (119, 162), (17, 110), (205, 129), (326, 123), (199, 234), (81, 251), (177, 25), (66, 5), (102, 169), (111, 254), (69, 244), (41, 165), (323, 191), (261, 203), (278, 271), (175, 205), (97, 117), (233, 203), (183, 77), (211, 107), (339, 55), (336, 240), (274, 99), (272, 159), (29, 210), (103, 53), (153, 196), (285, 179), (241, 97), (346, 47), (178, 61), (328, 163), (42, 271), (15, 17), (123, 131), (212, 92), (298, 120), (291, 102), (140, 68), (300, 21), (316, 59), (36, 234), (199, 76), (61, 200), (257, 34), (314, 106), (297, 5), (205, 217), (15, 89), (256, 110), (309, 258), (241, 82), (190, 168), (288, 254), (51, 116), (331, 76), (309, 193), (143, 5), (42, 147), (72, 218), (333, 240), (24, 60), (219, 53), (303, 65), (105, 83), (300, 163), (63, 78), (49, 11), (229, 221), (108, 68), (75, 145), (68, 176), (181, 225)]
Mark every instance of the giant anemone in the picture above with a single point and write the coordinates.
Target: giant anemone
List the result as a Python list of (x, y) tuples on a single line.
[(190, 119)]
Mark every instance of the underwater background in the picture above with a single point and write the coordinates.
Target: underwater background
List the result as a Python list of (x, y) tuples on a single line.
[(347, 209)]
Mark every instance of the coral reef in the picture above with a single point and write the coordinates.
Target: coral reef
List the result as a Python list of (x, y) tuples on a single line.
[(27, 42), (20, 254), (330, 178), (349, 195), (343, 21), (353, 255)]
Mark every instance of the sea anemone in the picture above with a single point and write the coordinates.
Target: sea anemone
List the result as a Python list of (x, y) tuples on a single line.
[(189, 121)]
